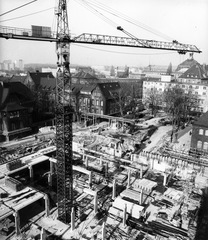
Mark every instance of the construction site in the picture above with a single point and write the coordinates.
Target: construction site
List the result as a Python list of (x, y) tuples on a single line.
[(120, 191), (116, 178)]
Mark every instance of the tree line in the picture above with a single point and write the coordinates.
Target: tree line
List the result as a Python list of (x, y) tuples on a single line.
[(178, 103)]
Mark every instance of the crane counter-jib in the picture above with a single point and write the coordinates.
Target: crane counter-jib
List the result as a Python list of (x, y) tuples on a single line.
[(40, 33)]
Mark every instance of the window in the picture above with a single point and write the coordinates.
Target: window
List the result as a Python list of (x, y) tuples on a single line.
[(199, 144), (201, 132), (205, 147), (190, 86), (183, 86), (204, 88), (197, 87), (204, 93), (101, 103), (196, 93), (97, 102), (206, 132)]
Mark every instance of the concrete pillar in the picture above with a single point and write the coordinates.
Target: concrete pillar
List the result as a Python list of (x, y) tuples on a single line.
[(114, 189), (141, 197), (51, 167), (90, 179), (103, 232), (47, 205), (101, 161), (72, 219), (50, 180), (31, 172), (17, 223), (141, 171), (129, 179), (124, 215), (43, 234), (165, 179), (106, 170), (95, 203), (86, 162), (152, 161)]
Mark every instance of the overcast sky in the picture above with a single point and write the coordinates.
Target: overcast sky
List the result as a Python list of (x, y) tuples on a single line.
[(182, 20)]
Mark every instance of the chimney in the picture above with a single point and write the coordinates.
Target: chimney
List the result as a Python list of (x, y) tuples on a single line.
[(191, 56)]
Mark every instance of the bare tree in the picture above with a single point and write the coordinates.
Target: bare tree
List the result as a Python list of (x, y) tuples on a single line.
[(152, 99), (120, 99), (179, 104)]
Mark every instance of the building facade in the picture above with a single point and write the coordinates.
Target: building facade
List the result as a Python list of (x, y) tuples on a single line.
[(199, 138), (97, 98), (193, 79), (16, 107)]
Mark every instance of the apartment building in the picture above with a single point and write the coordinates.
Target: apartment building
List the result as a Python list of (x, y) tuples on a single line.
[(194, 79)]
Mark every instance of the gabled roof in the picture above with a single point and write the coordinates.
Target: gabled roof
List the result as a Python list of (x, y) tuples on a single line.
[(194, 72), (76, 88), (13, 107), (87, 89), (17, 88), (84, 75), (202, 121), (48, 83), (37, 76), (108, 87), (4, 79), (187, 64), (17, 79)]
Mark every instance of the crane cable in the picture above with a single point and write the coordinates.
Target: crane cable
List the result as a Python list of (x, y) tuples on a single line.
[(27, 15), (127, 18), (96, 12), (17, 8), (127, 53)]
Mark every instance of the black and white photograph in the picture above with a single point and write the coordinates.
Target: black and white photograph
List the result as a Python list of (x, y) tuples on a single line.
[(103, 120)]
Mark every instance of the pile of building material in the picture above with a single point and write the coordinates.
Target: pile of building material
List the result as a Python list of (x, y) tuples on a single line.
[(144, 184), (136, 211)]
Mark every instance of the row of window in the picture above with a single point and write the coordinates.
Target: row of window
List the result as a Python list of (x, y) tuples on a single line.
[(203, 132), (196, 87), (169, 84), (94, 102), (204, 146), (197, 93)]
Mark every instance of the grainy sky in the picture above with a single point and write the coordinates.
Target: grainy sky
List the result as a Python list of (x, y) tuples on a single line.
[(182, 20)]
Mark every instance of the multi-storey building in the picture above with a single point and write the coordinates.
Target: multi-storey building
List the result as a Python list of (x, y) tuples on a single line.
[(97, 98), (16, 106), (194, 79), (199, 138)]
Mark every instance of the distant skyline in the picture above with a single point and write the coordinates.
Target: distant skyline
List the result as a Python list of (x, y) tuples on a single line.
[(185, 21)]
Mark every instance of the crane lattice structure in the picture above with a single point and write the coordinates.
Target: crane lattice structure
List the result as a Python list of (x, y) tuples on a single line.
[(64, 109), (64, 116)]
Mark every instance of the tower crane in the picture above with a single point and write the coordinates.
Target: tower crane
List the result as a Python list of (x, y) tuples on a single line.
[(64, 109)]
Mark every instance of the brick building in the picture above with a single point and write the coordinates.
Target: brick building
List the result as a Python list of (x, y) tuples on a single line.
[(199, 139)]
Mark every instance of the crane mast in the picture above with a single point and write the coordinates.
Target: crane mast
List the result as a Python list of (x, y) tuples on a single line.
[(64, 115)]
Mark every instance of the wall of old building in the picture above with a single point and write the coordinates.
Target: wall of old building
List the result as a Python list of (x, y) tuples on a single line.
[(199, 138)]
